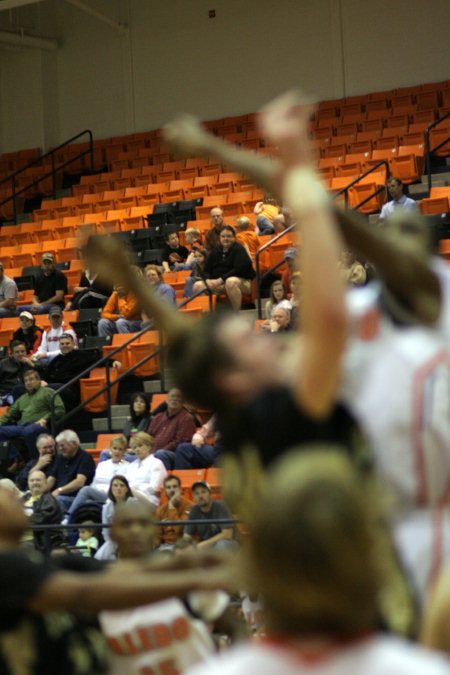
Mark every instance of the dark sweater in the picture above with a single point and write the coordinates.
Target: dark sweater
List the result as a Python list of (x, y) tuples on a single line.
[(232, 263)]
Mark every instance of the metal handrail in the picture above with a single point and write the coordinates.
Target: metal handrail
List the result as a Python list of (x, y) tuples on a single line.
[(428, 150), (106, 361), (259, 278), (51, 153), (373, 168)]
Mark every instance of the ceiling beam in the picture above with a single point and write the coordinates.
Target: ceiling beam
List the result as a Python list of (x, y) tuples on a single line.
[(97, 15), (24, 40), (12, 4)]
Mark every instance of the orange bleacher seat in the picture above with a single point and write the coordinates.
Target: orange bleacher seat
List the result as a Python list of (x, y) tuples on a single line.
[(430, 206), (104, 441), (209, 170), (438, 135), (196, 162), (350, 169), (407, 167), (187, 173), (325, 162), (362, 191), (440, 191), (93, 384), (135, 191), (136, 352), (373, 125), (214, 478)]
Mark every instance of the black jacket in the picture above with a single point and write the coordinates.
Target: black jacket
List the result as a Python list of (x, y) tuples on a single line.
[(64, 367), (232, 263), (46, 511), (11, 373)]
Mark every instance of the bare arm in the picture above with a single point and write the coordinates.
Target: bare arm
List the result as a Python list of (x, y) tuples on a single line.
[(114, 590), (75, 484), (226, 534), (324, 325), (406, 275)]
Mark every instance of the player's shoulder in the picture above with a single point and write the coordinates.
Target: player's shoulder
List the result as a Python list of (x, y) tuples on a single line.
[(240, 660), (391, 655)]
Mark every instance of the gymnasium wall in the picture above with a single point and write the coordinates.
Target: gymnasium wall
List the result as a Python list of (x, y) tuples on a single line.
[(174, 58)]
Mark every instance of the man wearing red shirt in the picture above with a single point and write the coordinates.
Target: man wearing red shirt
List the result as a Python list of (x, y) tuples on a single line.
[(170, 428)]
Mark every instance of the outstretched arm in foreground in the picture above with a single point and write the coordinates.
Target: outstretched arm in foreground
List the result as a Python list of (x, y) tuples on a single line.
[(324, 327), (408, 277)]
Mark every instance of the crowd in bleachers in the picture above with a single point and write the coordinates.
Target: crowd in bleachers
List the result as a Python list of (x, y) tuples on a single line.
[(301, 429)]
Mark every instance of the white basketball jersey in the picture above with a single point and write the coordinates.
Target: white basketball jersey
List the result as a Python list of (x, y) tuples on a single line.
[(396, 380), (157, 639), (375, 656)]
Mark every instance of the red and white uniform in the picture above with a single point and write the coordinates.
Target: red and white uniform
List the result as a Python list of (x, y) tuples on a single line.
[(158, 639), (397, 383), (373, 656)]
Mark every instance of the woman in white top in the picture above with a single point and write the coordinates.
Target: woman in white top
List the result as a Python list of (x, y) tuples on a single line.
[(146, 474)]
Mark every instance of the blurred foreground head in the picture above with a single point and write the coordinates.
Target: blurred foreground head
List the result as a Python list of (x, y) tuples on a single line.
[(311, 549)]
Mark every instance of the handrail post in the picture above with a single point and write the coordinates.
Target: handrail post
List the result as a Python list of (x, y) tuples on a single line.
[(428, 158), (13, 180), (53, 175), (162, 359), (258, 286), (52, 415), (91, 151), (108, 396)]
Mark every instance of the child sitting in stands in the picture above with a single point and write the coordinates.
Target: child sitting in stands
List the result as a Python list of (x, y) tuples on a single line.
[(87, 541), (266, 212)]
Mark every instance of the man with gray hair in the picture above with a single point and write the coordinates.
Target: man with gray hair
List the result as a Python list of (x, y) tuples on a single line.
[(8, 294), (46, 447), (73, 469)]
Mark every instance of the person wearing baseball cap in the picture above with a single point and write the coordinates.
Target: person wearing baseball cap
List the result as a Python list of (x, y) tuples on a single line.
[(28, 332), (8, 294), (49, 347), (50, 286), (211, 535)]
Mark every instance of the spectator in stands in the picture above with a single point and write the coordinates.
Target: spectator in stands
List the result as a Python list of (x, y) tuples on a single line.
[(46, 447), (198, 454), (176, 508), (30, 414), (171, 427), (118, 492), (279, 223), (12, 369), (193, 240), (398, 201), (49, 347), (139, 415), (280, 320), (73, 469), (28, 332), (290, 256), (228, 269), (173, 252), (219, 537), (91, 291), (50, 287), (121, 313), (105, 471), (8, 294), (146, 474), (351, 269), (247, 237), (155, 278), (200, 255), (277, 296), (87, 542), (212, 237), (265, 212), (41, 509), (67, 365)]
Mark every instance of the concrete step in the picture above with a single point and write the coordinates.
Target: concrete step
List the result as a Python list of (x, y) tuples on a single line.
[(152, 386), (120, 410), (101, 424)]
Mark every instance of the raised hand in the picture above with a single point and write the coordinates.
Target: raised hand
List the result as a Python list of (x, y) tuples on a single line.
[(186, 136), (284, 122)]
